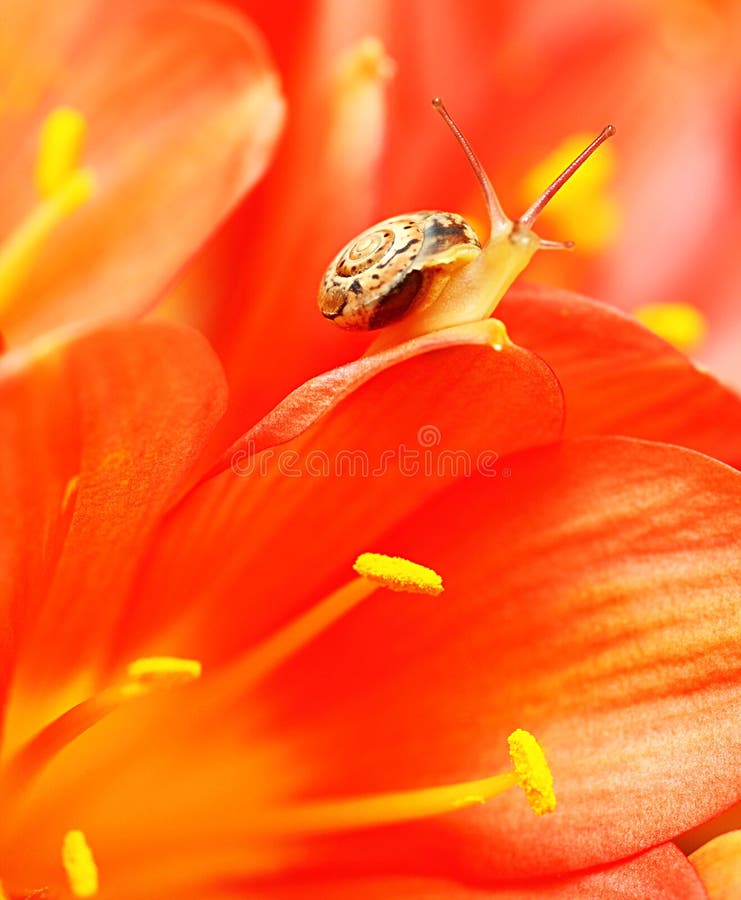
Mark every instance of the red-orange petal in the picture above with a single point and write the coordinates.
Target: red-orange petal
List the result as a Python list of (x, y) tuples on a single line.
[(99, 434), (591, 598), (718, 864), (183, 106), (312, 400), (261, 546), (662, 873), (619, 378), (571, 608)]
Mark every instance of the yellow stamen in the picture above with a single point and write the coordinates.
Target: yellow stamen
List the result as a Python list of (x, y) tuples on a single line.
[(358, 125), (3, 895), (144, 676), (398, 574), (63, 187), (160, 672), (583, 209), (680, 324), (365, 60), (274, 651), (531, 773), (61, 145), (78, 862)]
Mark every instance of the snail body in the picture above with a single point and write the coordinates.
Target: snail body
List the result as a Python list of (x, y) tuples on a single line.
[(421, 272), (394, 266)]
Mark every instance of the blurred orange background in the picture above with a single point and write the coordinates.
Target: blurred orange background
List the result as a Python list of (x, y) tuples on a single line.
[(657, 217)]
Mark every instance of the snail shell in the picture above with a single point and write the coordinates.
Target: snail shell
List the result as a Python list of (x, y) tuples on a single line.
[(385, 271)]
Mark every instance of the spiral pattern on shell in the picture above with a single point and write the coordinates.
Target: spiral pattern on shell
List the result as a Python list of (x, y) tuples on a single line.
[(370, 249), (379, 275)]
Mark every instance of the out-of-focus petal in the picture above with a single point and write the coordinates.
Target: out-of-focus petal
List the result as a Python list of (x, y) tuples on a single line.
[(183, 108), (718, 863), (260, 546), (322, 190), (619, 378), (520, 82), (594, 601), (98, 436)]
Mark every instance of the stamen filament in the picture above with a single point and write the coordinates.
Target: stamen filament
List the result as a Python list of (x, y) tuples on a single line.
[(401, 806), (275, 650), (62, 185), (144, 677), (18, 252), (22, 768), (375, 571), (531, 773)]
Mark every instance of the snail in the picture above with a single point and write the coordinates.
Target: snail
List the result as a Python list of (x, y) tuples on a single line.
[(427, 270)]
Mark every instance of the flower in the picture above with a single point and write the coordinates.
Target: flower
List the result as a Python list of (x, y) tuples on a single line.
[(577, 620), (127, 135), (201, 699)]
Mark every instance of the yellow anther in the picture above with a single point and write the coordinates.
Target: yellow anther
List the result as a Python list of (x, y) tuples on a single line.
[(61, 145), (533, 773), (680, 324), (3, 895), (78, 862), (583, 209), (398, 574), (160, 672), (367, 59)]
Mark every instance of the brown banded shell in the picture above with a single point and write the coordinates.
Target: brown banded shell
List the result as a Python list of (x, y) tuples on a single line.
[(382, 273)]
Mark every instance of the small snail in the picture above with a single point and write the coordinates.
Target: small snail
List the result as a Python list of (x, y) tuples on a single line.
[(428, 270)]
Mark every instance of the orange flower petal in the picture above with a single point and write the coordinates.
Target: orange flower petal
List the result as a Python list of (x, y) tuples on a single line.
[(102, 434), (183, 109), (305, 405), (661, 874), (593, 602), (718, 863), (619, 378), (260, 546), (571, 609)]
